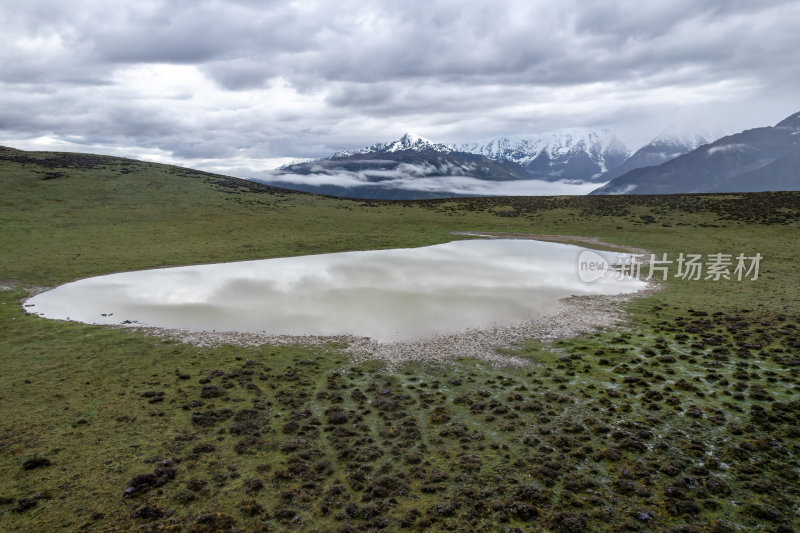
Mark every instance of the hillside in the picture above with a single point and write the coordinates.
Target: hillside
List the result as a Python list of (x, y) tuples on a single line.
[(759, 159), (686, 419), (667, 145)]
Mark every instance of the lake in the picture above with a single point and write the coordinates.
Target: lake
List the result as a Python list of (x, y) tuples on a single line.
[(388, 295)]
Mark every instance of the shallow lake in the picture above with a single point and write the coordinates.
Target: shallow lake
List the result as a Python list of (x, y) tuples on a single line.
[(393, 295)]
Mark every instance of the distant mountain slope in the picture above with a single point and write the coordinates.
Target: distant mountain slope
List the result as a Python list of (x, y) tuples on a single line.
[(760, 159), (415, 162), (578, 154), (389, 171), (669, 144), (413, 154), (414, 167)]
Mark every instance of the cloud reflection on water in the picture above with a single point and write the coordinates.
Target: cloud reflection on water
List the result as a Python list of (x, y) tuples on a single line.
[(398, 294)]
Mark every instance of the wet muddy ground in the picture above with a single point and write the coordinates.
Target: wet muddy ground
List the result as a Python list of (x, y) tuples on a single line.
[(687, 421), (691, 424)]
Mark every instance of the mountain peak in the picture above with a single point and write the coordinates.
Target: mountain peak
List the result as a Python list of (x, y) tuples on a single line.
[(412, 141), (574, 153), (409, 141), (685, 137), (792, 122), (673, 141), (411, 138), (758, 159)]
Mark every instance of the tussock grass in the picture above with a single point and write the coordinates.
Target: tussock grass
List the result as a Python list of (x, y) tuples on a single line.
[(686, 419)]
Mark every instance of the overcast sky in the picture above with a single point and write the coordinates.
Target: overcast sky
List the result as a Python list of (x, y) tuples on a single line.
[(239, 86)]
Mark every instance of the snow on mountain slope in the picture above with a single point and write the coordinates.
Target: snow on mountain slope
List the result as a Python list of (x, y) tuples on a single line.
[(564, 154), (672, 142), (409, 141), (686, 138)]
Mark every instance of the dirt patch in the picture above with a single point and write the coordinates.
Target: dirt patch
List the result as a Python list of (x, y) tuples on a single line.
[(574, 316), (578, 240)]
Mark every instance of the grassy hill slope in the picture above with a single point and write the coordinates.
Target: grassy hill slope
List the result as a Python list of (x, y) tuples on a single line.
[(686, 420)]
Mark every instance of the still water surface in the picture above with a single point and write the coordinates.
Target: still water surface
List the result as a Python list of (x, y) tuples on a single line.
[(398, 294)]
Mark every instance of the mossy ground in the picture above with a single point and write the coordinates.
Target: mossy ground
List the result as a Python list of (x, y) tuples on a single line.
[(686, 420)]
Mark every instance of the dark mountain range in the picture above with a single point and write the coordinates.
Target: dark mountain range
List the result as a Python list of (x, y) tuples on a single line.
[(760, 159), (669, 144), (414, 167), (399, 170), (419, 161)]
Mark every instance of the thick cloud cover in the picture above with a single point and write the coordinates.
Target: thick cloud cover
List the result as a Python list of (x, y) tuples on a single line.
[(241, 86)]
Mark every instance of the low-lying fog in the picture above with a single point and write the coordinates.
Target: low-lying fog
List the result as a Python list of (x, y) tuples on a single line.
[(407, 180), (398, 294)]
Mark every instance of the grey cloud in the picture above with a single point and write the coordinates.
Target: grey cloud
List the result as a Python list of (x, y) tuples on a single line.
[(239, 74), (353, 42), (363, 72), (196, 33), (361, 94)]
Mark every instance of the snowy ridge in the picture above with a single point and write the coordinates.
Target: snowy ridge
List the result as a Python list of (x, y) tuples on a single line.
[(602, 147), (687, 140), (409, 141), (672, 142), (580, 154), (298, 161)]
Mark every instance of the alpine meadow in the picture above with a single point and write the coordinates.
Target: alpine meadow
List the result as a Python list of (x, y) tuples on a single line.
[(683, 416), (516, 266)]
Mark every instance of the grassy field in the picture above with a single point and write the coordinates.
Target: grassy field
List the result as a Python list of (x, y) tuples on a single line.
[(686, 421)]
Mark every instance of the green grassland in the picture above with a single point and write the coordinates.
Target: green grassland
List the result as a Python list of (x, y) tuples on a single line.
[(686, 420)]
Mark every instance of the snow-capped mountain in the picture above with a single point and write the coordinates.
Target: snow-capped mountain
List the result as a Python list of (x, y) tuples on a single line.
[(394, 170), (415, 167), (790, 123), (579, 154), (672, 142), (758, 159), (409, 141), (681, 136)]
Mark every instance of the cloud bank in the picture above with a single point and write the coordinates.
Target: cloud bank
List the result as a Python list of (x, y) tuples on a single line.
[(409, 177)]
